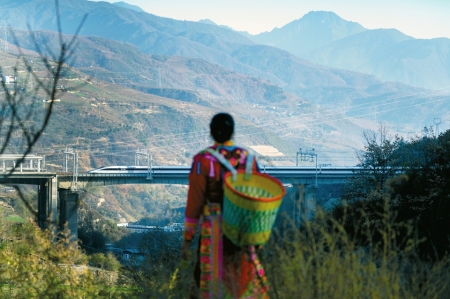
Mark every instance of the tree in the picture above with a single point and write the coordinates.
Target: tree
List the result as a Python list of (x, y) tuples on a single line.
[(22, 122), (104, 261), (411, 180), (425, 196), (380, 161)]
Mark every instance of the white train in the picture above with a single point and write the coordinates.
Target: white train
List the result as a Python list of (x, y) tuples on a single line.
[(184, 170), (141, 169)]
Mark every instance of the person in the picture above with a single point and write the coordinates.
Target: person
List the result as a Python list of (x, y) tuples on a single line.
[(222, 269)]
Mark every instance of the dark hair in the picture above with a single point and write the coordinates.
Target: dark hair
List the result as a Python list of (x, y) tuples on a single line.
[(222, 127)]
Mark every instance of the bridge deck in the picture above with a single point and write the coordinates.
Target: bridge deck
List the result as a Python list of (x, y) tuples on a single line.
[(287, 175)]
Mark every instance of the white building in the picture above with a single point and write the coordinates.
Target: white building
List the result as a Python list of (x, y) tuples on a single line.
[(9, 79)]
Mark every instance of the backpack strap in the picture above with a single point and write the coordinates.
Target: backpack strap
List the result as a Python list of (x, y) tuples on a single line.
[(227, 165), (223, 161), (249, 165)]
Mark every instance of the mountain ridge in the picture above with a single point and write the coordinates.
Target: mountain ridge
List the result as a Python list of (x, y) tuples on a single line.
[(313, 30), (129, 6), (384, 53), (162, 36), (155, 35)]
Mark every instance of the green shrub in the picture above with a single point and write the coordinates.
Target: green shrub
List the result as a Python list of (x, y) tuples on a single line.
[(36, 264)]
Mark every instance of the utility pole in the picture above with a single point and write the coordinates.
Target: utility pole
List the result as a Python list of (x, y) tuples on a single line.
[(30, 81), (159, 77), (207, 87), (67, 152), (145, 153), (376, 111), (73, 153), (309, 156), (5, 37), (437, 122)]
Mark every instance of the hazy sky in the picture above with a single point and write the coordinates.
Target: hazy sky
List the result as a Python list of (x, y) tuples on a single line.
[(417, 18)]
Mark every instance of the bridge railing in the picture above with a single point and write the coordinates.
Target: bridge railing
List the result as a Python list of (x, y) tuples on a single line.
[(30, 163)]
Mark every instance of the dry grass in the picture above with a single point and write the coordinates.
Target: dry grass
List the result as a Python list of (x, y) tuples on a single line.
[(322, 261)]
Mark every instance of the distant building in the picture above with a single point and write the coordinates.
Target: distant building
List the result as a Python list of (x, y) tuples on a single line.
[(137, 228), (127, 257), (9, 79), (9, 189)]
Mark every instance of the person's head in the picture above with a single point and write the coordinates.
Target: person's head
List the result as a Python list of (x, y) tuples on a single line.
[(221, 127)]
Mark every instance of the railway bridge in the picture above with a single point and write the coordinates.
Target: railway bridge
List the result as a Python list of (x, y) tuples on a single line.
[(58, 192)]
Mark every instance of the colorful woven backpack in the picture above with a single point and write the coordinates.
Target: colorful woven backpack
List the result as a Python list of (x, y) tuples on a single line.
[(251, 202)]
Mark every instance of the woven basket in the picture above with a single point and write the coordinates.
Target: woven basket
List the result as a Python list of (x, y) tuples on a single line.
[(250, 207)]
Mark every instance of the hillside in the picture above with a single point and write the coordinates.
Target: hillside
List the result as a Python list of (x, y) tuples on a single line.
[(214, 44), (107, 123), (193, 80), (150, 33)]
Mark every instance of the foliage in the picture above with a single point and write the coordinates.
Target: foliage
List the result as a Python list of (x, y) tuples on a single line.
[(94, 231), (36, 264), (418, 195), (157, 271), (324, 261), (104, 261), (380, 161), (425, 195)]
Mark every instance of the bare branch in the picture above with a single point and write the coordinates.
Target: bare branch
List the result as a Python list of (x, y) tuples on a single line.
[(22, 119)]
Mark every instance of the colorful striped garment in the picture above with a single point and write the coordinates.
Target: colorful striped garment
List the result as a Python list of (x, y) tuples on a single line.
[(223, 270)]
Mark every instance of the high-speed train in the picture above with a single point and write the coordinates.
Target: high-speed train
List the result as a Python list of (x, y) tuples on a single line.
[(301, 170), (140, 169), (181, 170)]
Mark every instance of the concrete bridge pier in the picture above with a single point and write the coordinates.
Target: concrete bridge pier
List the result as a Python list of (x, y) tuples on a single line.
[(305, 203), (68, 211), (47, 202)]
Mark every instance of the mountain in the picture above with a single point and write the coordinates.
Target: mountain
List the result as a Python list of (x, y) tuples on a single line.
[(176, 77), (209, 22), (229, 49), (326, 39), (282, 71), (391, 56), (313, 30), (352, 52), (119, 99), (418, 62), (150, 33), (161, 75), (193, 80), (129, 6)]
